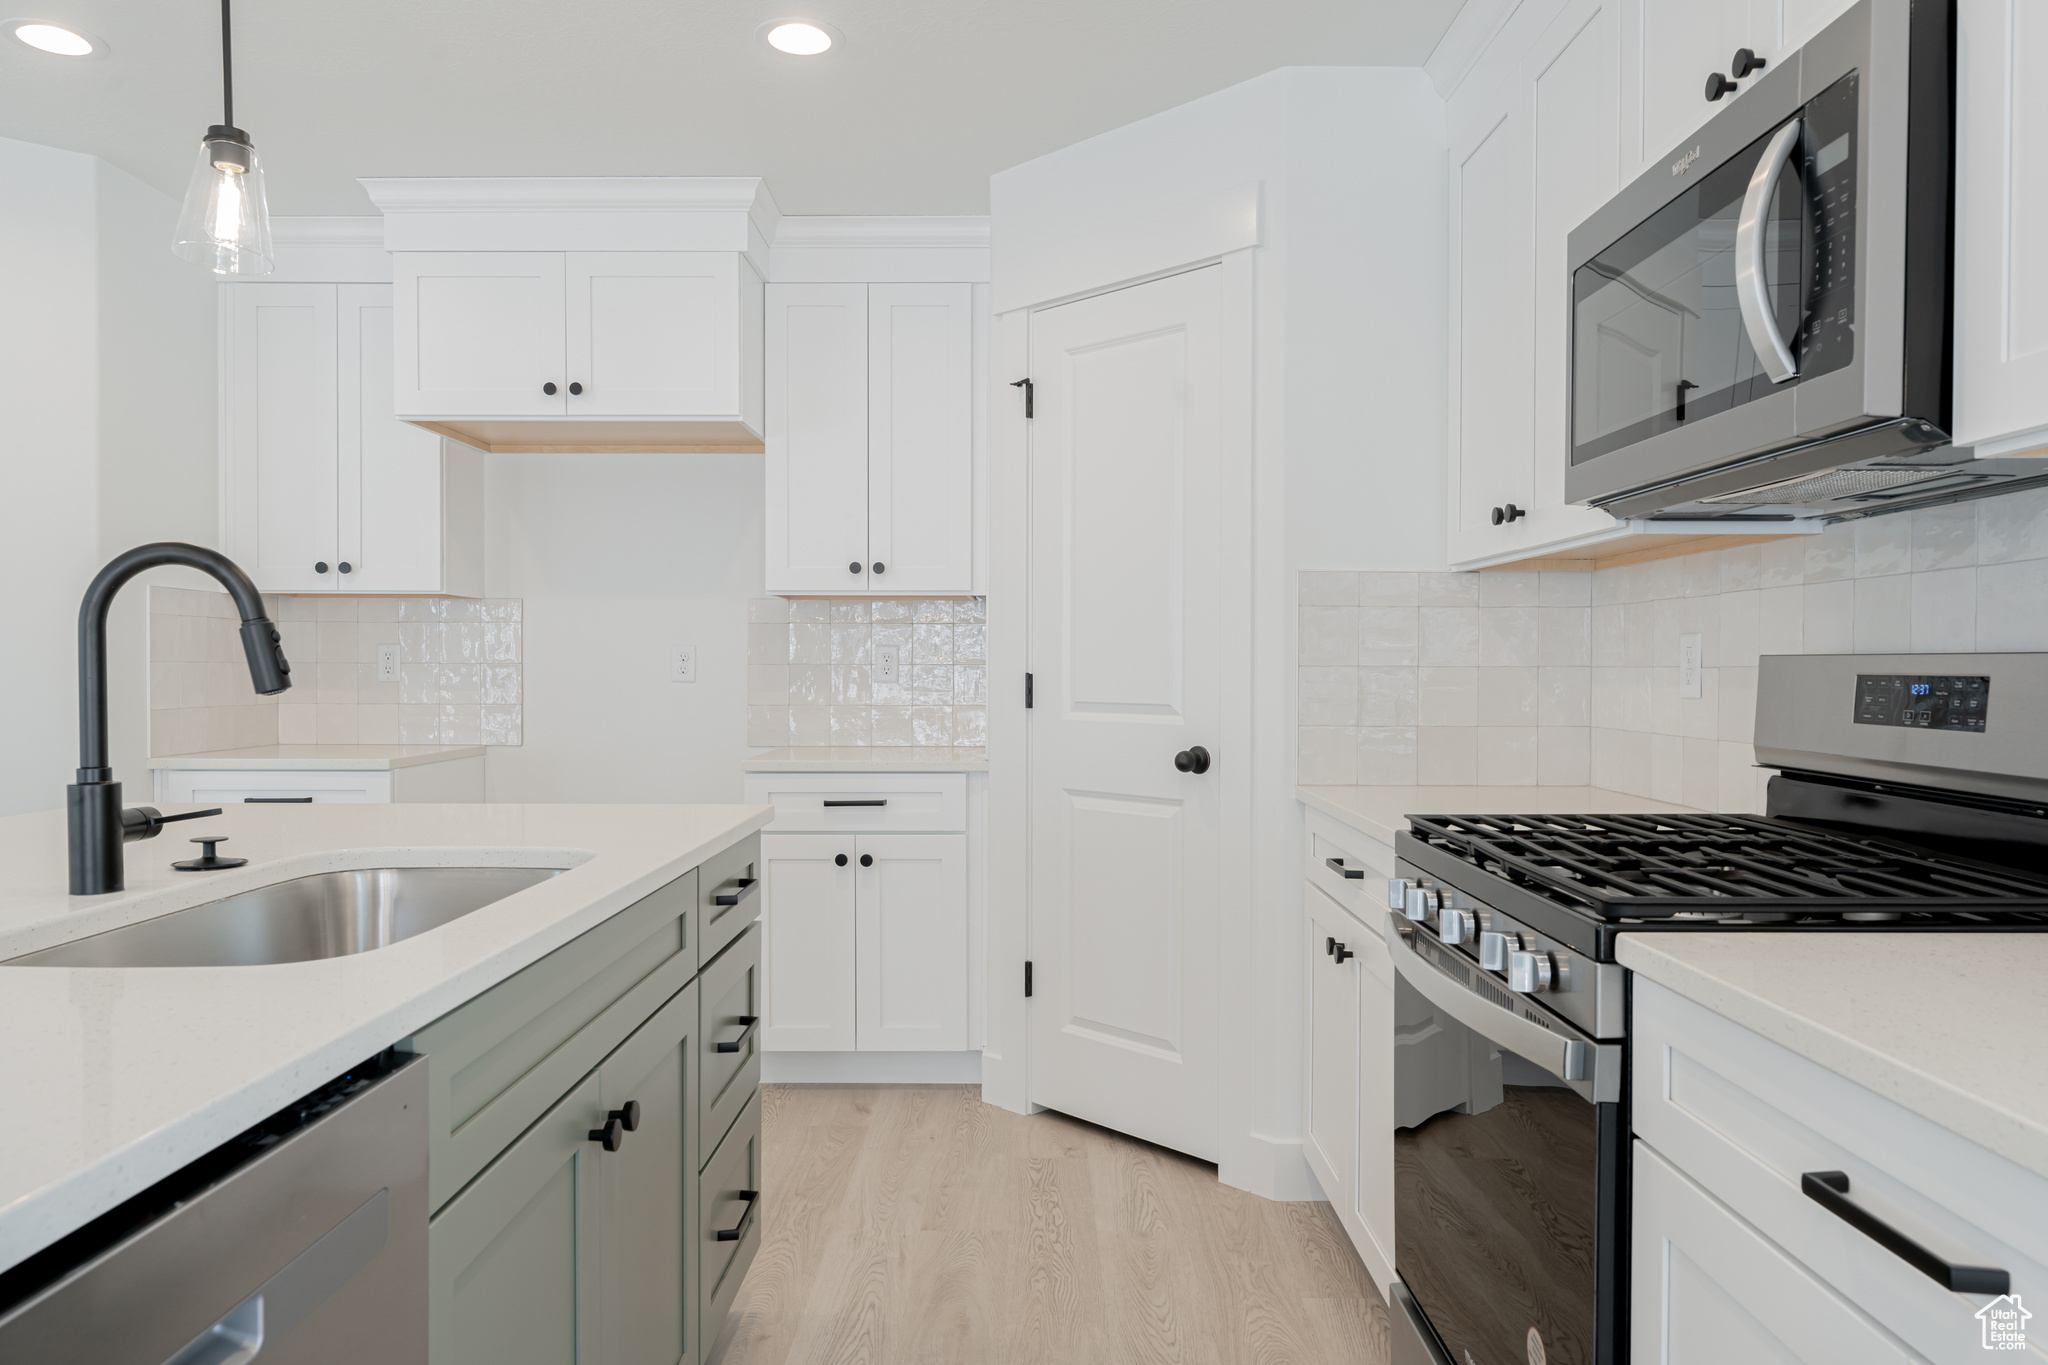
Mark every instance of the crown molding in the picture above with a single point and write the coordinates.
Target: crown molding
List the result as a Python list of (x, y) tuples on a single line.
[(576, 194), (883, 232), (368, 231), (1461, 45)]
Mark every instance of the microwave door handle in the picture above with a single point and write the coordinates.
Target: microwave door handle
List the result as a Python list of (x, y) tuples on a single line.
[(1752, 288)]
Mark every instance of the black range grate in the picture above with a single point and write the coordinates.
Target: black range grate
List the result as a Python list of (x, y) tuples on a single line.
[(1726, 866)]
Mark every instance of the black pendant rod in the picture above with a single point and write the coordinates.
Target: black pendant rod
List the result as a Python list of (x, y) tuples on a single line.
[(227, 67)]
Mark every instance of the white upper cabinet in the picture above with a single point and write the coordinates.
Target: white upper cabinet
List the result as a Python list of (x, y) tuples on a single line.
[(1679, 43), (583, 350), (870, 436), (2001, 366), (323, 489)]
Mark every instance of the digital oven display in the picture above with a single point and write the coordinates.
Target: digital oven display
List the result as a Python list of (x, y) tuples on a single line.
[(1923, 702)]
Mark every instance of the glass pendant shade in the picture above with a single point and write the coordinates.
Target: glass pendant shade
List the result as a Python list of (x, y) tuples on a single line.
[(225, 224)]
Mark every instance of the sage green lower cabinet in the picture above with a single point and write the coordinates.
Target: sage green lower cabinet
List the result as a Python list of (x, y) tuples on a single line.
[(729, 994), (730, 1199), (512, 1261)]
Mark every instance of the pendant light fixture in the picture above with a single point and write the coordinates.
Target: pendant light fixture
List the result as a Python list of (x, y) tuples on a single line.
[(225, 224)]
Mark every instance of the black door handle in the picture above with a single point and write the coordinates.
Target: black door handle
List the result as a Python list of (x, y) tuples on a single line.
[(830, 805), (1746, 61), (277, 800), (1336, 865), (853, 567), (739, 1229), (548, 388), (1830, 1190), (839, 860), (345, 567), (742, 887), (735, 1044), (1195, 760), (628, 1117), (1509, 512), (1718, 85), (878, 566), (611, 1134), (1342, 953), (575, 388), (319, 566)]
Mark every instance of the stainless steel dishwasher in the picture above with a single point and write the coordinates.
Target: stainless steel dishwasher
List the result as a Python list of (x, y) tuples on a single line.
[(302, 1241)]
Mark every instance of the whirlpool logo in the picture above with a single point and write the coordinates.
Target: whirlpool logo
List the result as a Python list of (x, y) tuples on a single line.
[(1684, 163)]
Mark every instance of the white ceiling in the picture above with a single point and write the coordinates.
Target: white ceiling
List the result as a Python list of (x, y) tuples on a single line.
[(925, 99)]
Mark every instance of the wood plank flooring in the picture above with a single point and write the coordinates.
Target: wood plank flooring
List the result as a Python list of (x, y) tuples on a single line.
[(912, 1224)]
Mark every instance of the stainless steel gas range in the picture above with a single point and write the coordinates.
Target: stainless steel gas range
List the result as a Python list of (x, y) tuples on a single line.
[(1911, 795)]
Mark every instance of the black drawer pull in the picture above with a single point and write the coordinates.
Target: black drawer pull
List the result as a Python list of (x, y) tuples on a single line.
[(1830, 1190), (742, 887), (277, 800), (876, 802), (739, 1229), (735, 1044), (1336, 865)]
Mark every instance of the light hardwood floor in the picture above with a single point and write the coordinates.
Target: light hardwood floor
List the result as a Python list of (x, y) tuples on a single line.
[(911, 1224)]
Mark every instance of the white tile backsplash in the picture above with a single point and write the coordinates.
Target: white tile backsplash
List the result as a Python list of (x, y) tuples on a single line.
[(812, 675), (1565, 678), (460, 672)]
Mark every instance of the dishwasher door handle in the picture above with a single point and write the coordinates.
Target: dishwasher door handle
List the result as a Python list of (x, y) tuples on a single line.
[(235, 1340)]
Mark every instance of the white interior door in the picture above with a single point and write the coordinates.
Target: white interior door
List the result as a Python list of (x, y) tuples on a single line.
[(654, 333), (1124, 645), (911, 981), (921, 437), (479, 333), (817, 438), (390, 501), (808, 942), (281, 504)]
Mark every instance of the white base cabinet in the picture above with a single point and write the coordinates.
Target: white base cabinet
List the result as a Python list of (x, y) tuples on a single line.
[(323, 489), (1348, 1069)]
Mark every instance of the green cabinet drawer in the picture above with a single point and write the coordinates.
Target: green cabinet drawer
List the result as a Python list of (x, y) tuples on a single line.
[(730, 997), (729, 1203), (503, 1059), (729, 896)]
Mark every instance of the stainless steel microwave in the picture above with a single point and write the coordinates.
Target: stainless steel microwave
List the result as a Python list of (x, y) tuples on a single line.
[(1761, 322)]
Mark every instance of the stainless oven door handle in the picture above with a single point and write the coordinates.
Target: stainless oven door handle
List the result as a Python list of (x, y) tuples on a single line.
[(1752, 288), (1593, 1069)]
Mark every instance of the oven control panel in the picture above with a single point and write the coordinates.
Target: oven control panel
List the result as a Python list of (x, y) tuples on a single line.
[(1923, 701)]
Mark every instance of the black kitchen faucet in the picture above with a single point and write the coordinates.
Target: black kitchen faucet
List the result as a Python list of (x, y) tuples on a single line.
[(98, 824)]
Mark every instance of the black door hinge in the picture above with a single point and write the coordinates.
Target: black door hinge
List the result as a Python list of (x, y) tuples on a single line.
[(1025, 385), (1027, 691), (1027, 976)]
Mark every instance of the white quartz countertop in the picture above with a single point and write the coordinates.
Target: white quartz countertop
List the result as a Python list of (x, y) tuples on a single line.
[(111, 1079), (1383, 811), (317, 757), (1950, 1026), (881, 759)]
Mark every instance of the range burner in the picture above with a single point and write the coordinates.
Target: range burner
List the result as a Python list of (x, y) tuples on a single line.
[(1730, 869)]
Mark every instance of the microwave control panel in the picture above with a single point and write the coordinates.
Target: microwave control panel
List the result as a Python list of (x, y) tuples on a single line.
[(1937, 701)]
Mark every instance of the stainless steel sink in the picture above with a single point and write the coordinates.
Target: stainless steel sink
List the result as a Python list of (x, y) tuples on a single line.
[(331, 914)]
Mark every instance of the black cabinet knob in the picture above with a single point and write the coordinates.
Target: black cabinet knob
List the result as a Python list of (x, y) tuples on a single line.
[(1717, 86), (628, 1117), (345, 566), (839, 861), (1343, 952), (1745, 62), (548, 388), (1195, 760), (575, 388), (319, 566), (867, 860), (853, 567), (1503, 515), (878, 566), (611, 1135)]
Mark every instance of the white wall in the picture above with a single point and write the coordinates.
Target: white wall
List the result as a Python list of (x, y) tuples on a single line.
[(106, 383), (1349, 423), (620, 558)]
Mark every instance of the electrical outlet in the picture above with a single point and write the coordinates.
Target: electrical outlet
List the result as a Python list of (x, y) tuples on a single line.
[(1688, 665), (885, 663), (683, 664), (387, 663)]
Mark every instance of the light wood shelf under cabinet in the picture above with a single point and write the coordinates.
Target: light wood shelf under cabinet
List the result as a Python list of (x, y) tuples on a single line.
[(1636, 548), (598, 436)]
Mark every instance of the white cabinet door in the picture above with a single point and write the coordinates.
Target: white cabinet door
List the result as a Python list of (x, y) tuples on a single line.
[(653, 333), (921, 437), (809, 942), (1373, 1193), (817, 438), (479, 333), (279, 501), (911, 977), (1331, 1131), (2001, 365), (1678, 43), (1707, 1288), (390, 485)]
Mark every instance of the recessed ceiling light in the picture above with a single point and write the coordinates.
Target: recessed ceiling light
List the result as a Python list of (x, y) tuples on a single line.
[(56, 38), (799, 37)]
